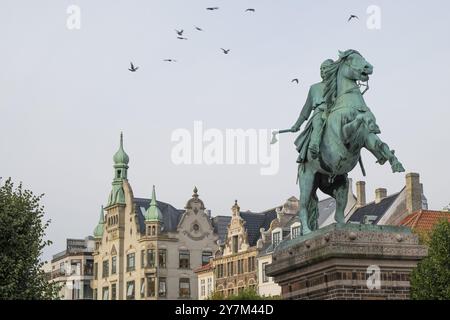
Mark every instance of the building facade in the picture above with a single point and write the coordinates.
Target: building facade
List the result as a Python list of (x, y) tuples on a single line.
[(235, 265), (148, 249), (205, 281), (73, 269)]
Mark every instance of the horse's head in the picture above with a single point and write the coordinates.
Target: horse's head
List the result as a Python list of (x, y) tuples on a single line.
[(354, 66)]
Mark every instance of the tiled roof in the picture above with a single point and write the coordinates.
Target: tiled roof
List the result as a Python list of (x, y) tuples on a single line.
[(374, 209), (424, 220), (206, 267), (220, 224), (255, 221)]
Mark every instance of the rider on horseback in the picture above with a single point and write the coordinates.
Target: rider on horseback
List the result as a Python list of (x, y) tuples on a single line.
[(312, 134)]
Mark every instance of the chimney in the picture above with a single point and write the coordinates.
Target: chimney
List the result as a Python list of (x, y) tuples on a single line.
[(360, 193), (380, 194), (413, 192)]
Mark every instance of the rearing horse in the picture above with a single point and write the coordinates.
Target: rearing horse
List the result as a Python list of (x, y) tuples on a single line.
[(349, 127)]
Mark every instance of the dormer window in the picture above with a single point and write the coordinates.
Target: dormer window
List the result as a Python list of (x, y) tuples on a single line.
[(276, 238), (296, 230)]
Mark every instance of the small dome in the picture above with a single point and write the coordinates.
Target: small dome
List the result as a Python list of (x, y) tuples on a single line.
[(121, 156), (153, 213), (98, 231)]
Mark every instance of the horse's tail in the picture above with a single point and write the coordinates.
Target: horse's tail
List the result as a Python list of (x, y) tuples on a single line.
[(313, 212)]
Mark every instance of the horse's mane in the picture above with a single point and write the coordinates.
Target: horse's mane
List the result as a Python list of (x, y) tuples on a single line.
[(331, 74)]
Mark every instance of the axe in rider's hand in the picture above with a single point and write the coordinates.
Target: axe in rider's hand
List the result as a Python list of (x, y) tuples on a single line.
[(275, 133)]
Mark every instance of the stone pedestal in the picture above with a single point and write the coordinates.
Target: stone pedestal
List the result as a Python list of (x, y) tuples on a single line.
[(345, 261)]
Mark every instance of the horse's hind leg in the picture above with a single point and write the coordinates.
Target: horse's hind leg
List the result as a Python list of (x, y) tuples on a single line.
[(306, 184), (339, 191), (341, 197)]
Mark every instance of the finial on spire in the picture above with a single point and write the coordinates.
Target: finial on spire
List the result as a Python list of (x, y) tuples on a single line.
[(153, 202), (195, 195), (121, 139)]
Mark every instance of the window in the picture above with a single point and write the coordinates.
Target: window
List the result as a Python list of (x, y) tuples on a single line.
[(220, 271), (130, 290), (235, 243), (105, 293), (75, 267), (142, 287), (88, 267), (230, 268), (185, 288), (276, 238), (62, 269), (130, 262), (230, 291), (210, 287), (206, 256), (162, 287), (95, 270), (162, 258), (114, 265), (142, 259), (251, 264), (150, 258), (113, 291), (105, 270), (87, 290), (295, 232), (151, 286), (95, 294), (263, 272), (240, 264), (184, 259), (202, 288)]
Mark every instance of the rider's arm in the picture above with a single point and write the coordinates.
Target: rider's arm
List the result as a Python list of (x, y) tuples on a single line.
[(304, 114)]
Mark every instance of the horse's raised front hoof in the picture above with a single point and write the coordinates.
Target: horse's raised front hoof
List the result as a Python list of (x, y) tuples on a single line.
[(397, 167)]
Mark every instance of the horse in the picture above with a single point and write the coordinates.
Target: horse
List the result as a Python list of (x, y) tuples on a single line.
[(349, 126)]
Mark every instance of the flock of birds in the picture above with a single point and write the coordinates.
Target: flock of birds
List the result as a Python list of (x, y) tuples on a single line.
[(180, 36)]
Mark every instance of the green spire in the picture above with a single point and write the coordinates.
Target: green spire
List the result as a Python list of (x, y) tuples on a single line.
[(153, 213), (121, 160), (121, 157), (98, 231)]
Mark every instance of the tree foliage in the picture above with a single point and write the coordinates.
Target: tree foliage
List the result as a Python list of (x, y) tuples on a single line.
[(431, 279), (246, 294), (22, 230)]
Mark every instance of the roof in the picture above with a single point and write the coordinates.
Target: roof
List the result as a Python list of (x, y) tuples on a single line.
[(170, 215), (220, 226), (326, 208), (424, 220), (377, 210), (255, 221), (204, 268)]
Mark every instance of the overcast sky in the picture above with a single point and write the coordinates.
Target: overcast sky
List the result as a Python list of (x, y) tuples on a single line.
[(65, 95)]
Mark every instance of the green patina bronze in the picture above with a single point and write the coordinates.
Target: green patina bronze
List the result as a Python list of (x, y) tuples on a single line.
[(340, 126)]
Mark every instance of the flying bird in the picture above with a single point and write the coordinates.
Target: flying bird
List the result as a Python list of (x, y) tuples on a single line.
[(226, 51), (170, 60), (295, 80), (250, 10), (182, 38), (133, 68), (179, 32), (198, 28), (212, 8), (352, 17)]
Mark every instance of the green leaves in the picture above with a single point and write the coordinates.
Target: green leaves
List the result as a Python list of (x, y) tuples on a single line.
[(431, 279), (21, 241)]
